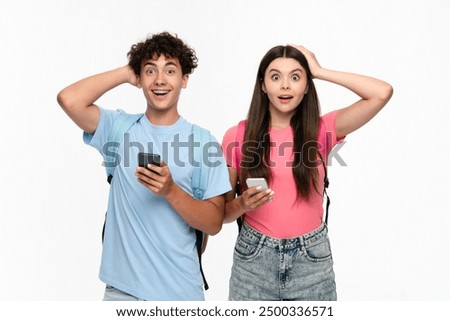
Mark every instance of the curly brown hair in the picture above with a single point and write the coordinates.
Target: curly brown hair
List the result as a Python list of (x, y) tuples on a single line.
[(159, 44)]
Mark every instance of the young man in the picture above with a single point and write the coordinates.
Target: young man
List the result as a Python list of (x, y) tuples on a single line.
[(149, 250)]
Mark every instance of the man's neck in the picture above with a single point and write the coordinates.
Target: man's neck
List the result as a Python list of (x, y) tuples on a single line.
[(162, 118)]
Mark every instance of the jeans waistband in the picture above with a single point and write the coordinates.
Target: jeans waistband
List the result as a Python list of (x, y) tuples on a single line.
[(294, 242)]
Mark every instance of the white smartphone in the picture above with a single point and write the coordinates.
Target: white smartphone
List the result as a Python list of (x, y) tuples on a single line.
[(260, 181)]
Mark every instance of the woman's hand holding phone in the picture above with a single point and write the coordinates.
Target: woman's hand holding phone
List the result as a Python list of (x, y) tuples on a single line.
[(257, 194)]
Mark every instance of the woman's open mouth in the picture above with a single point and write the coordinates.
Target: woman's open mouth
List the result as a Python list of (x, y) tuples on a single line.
[(285, 98)]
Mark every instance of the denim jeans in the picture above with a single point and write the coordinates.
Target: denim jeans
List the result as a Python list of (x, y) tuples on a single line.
[(113, 294), (270, 269)]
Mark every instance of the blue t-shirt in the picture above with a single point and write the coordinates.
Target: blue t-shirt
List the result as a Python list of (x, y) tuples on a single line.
[(149, 250)]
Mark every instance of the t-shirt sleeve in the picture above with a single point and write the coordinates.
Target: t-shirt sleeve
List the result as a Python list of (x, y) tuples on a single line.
[(327, 132), (229, 146), (99, 138)]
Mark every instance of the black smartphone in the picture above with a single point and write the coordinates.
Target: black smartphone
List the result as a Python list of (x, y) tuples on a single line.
[(148, 158)]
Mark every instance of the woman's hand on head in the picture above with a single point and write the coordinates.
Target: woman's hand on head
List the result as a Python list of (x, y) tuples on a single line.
[(313, 64)]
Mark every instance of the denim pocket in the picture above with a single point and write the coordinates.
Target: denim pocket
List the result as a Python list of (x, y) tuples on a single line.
[(247, 246), (319, 250)]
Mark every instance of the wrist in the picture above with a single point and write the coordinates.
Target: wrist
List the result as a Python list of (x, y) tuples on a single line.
[(172, 192), (318, 73), (121, 75), (241, 207)]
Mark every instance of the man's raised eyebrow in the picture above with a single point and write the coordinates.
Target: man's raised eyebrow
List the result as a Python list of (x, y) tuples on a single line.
[(169, 63), (149, 62)]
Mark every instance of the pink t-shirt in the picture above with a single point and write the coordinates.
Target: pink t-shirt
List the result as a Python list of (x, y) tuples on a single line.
[(285, 217)]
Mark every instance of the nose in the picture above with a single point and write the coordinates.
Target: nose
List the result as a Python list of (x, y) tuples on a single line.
[(160, 80), (285, 85)]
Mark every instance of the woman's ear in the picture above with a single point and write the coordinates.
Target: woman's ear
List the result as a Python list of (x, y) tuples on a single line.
[(263, 87)]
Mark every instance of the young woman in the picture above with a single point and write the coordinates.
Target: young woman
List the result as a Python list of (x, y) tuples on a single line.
[(282, 251)]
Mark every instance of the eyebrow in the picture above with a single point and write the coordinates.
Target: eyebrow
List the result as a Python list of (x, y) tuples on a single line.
[(169, 63), (276, 70)]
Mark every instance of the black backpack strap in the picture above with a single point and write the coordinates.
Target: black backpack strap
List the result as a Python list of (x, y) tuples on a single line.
[(239, 223), (103, 229), (199, 243), (240, 219), (326, 183)]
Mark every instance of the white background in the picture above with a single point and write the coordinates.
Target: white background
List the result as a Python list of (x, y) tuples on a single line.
[(389, 220)]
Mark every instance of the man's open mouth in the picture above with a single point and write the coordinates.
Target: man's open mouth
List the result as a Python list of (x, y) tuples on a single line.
[(160, 92)]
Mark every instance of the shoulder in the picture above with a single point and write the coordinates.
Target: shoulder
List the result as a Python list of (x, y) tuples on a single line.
[(328, 120), (231, 134), (327, 131), (107, 119)]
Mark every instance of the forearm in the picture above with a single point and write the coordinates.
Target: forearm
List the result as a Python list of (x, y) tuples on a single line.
[(204, 215), (77, 100), (364, 86), (249, 200), (86, 91), (374, 95), (233, 209)]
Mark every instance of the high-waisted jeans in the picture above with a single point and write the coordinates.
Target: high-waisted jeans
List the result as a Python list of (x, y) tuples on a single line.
[(270, 269)]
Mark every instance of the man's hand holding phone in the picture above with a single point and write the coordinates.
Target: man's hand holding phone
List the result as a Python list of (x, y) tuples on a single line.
[(154, 173)]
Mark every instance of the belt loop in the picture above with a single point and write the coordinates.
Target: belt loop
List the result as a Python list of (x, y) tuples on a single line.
[(262, 240), (301, 241)]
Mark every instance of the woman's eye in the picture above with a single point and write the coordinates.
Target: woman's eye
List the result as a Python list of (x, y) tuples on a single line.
[(295, 77), (275, 77)]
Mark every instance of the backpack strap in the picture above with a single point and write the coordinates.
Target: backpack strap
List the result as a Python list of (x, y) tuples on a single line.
[(238, 157), (120, 126), (326, 183), (200, 176), (200, 242)]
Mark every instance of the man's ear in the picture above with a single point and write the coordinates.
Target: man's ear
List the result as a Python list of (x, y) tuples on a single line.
[(138, 81), (185, 81)]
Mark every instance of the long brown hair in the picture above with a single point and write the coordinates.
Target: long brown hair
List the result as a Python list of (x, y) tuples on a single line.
[(304, 123)]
